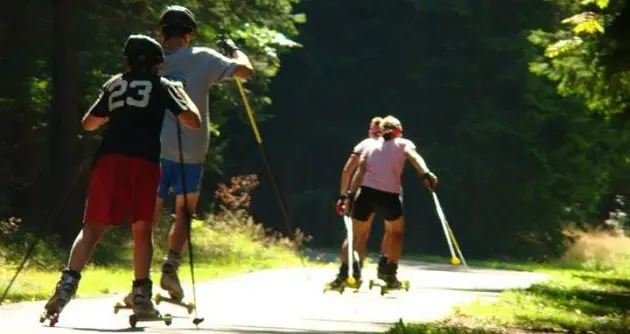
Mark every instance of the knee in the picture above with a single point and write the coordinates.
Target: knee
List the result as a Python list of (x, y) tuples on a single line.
[(396, 231), (141, 228)]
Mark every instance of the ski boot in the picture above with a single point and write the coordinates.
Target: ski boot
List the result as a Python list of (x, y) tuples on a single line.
[(341, 281), (391, 280), (64, 291), (143, 309), (380, 272), (169, 281)]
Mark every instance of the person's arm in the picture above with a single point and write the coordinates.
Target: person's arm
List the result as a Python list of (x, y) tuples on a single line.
[(357, 179), (346, 173), (428, 178), (244, 69), (417, 161), (180, 104), (98, 114), (234, 64)]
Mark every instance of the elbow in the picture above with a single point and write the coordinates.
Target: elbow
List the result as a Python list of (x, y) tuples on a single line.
[(89, 124), (243, 71), (190, 120), (194, 123)]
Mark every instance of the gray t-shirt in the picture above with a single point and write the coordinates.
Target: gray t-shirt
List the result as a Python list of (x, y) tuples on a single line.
[(197, 68)]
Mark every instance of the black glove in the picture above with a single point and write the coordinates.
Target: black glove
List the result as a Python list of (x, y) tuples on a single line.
[(228, 46), (339, 205), (429, 180)]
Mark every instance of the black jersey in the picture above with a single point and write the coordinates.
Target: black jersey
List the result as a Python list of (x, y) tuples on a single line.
[(135, 104)]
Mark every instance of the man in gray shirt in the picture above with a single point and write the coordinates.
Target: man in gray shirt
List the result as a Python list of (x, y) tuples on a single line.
[(196, 68)]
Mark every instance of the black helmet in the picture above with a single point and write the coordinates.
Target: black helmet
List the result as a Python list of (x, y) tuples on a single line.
[(178, 16), (143, 51)]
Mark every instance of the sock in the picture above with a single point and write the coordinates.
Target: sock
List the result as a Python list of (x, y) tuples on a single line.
[(171, 262), (141, 282), (72, 273), (173, 256)]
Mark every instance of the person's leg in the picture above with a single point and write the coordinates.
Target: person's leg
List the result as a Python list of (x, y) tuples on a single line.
[(382, 261), (166, 180), (142, 287), (394, 218), (361, 244), (361, 210), (178, 235), (145, 179), (97, 216), (361, 232)]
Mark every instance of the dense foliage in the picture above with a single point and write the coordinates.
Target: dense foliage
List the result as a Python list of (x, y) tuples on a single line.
[(520, 112), (54, 59)]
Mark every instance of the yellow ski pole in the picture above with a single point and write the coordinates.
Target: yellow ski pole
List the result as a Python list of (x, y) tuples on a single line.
[(252, 121), (450, 236), (248, 109)]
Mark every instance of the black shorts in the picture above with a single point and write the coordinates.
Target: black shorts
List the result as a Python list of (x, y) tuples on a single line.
[(369, 200)]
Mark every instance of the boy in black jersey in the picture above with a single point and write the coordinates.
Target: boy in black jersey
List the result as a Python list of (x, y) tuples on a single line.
[(126, 169)]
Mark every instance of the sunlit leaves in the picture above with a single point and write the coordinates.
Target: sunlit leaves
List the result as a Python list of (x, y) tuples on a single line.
[(599, 3), (562, 46), (587, 22)]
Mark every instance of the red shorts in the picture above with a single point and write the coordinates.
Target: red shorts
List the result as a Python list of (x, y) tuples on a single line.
[(121, 187)]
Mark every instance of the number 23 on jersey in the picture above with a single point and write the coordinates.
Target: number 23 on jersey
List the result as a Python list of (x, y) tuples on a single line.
[(139, 94)]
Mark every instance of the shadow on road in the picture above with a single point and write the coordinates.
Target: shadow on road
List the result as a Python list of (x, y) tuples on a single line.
[(272, 330), (100, 330)]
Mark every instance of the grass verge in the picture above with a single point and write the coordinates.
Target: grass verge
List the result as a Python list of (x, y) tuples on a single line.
[(227, 243), (588, 292)]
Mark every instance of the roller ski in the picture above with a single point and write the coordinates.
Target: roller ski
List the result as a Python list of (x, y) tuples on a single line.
[(189, 306), (387, 280), (169, 281), (126, 304), (348, 277), (64, 292), (344, 281), (143, 309)]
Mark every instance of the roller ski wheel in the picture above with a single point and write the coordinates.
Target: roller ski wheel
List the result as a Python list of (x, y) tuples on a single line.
[(339, 289), (134, 319), (189, 306), (404, 285), (52, 318)]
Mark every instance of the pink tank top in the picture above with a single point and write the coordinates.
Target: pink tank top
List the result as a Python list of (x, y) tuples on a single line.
[(366, 143), (384, 164)]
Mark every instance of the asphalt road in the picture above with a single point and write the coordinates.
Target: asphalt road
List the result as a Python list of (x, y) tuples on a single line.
[(286, 301)]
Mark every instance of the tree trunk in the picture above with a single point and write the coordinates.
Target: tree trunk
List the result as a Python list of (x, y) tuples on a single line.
[(63, 122)]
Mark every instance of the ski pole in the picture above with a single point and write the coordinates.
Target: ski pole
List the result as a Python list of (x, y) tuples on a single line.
[(457, 248), (188, 218), (281, 205), (448, 233), (350, 234)]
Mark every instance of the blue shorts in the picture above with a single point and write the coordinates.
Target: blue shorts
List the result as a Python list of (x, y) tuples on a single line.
[(171, 178)]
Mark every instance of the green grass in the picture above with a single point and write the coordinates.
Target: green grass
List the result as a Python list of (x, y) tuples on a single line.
[(34, 284), (579, 297), (572, 300), (222, 248)]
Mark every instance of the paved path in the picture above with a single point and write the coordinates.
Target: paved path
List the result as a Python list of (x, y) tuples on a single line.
[(287, 301)]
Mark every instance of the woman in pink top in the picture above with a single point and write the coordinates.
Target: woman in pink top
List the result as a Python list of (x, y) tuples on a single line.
[(378, 188), (374, 136)]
